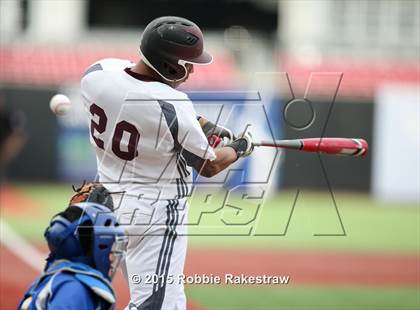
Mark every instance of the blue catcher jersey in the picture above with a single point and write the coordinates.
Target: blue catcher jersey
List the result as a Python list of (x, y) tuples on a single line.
[(68, 285)]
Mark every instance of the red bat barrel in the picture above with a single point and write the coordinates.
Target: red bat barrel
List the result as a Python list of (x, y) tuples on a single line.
[(332, 146), (342, 146)]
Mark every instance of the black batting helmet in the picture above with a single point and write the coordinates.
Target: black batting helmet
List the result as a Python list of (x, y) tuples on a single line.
[(169, 42)]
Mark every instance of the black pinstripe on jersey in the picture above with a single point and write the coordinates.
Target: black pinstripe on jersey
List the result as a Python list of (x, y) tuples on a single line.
[(155, 300)]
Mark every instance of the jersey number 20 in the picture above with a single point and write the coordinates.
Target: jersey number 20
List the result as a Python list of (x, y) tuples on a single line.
[(120, 128)]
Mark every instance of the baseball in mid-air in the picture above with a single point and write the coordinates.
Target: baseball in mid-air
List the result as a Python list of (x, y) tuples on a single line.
[(60, 104)]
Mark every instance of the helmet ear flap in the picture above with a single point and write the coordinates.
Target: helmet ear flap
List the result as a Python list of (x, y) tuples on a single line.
[(54, 234), (177, 70), (168, 68), (66, 238), (61, 238)]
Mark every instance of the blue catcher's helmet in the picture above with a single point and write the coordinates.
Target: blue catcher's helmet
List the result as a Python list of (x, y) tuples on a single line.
[(88, 233)]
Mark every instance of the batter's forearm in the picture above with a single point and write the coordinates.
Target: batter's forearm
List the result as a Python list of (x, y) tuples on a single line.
[(225, 156)]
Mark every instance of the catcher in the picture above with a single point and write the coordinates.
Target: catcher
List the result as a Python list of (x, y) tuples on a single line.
[(86, 247)]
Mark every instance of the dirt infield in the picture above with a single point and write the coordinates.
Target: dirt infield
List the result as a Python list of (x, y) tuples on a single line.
[(15, 278), (303, 269), (309, 267)]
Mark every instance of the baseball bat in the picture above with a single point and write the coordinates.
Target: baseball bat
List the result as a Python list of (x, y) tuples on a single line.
[(332, 146)]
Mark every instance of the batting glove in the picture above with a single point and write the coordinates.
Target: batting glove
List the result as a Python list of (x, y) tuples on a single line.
[(210, 129), (243, 146)]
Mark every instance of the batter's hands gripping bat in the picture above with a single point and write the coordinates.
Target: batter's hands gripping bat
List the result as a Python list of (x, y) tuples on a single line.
[(332, 146)]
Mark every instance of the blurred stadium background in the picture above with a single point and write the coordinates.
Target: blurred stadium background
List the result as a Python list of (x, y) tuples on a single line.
[(345, 230)]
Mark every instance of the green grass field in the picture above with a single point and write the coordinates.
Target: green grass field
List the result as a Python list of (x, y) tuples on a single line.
[(294, 298), (371, 227)]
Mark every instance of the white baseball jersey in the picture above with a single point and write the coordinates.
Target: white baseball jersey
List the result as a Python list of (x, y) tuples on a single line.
[(145, 133)]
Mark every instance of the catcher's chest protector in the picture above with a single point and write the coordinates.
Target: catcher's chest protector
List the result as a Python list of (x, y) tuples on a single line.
[(45, 293)]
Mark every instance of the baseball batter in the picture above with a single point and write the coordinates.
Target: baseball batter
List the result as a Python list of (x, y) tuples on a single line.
[(147, 137)]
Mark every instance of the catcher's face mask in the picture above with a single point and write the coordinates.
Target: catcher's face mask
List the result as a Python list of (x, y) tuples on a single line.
[(117, 254)]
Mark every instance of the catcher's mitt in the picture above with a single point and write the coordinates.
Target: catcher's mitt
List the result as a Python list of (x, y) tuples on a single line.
[(92, 192)]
